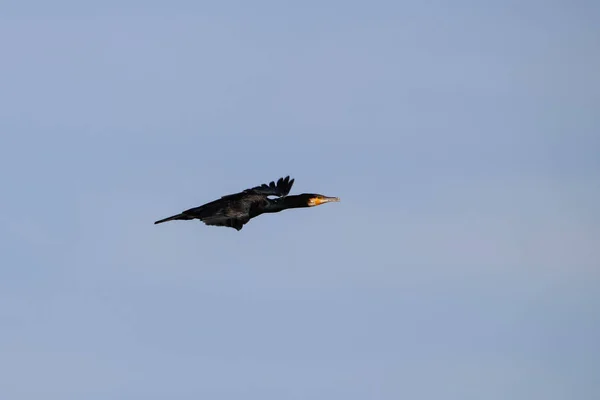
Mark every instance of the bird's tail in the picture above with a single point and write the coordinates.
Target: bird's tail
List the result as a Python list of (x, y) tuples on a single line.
[(174, 218)]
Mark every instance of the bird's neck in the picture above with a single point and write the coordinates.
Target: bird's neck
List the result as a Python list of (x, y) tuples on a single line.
[(284, 203)]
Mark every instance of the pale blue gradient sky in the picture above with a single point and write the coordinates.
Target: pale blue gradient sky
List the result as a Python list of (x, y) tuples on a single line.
[(462, 137)]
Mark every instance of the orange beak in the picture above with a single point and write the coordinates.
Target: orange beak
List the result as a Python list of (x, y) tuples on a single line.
[(317, 201)]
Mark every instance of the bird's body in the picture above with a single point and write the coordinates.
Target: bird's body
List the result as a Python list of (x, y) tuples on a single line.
[(235, 210)]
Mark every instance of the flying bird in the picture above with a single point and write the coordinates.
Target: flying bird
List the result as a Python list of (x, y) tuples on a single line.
[(235, 210)]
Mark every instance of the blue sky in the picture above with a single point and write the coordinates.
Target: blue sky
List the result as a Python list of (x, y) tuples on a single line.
[(461, 263)]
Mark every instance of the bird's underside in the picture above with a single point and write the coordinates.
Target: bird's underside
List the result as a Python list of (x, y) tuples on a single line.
[(232, 211)]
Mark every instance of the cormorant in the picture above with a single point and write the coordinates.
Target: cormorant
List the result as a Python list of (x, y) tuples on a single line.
[(235, 210)]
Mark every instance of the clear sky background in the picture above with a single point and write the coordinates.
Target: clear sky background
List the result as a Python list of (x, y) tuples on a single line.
[(462, 137)]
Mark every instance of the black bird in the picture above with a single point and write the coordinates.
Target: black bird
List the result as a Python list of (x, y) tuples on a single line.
[(235, 210)]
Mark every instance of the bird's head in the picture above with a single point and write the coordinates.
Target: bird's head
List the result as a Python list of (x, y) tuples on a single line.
[(313, 199)]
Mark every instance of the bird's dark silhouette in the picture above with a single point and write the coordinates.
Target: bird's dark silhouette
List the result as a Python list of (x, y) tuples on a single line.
[(235, 210)]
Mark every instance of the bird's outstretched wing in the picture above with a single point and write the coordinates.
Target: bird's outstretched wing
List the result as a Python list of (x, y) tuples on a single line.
[(279, 189)]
